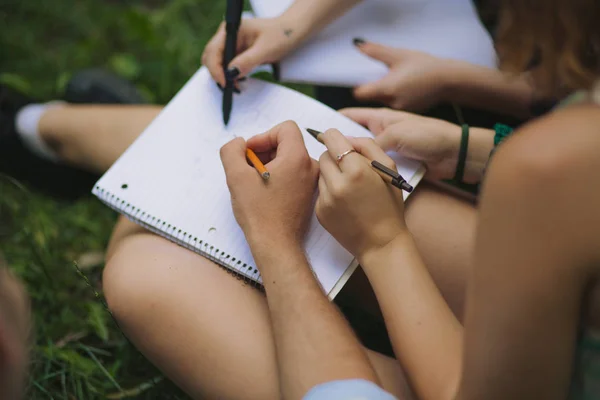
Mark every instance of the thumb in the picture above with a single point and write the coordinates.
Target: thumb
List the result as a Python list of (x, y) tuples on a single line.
[(247, 60), (375, 91), (361, 115), (385, 54), (233, 157), (389, 140), (370, 118)]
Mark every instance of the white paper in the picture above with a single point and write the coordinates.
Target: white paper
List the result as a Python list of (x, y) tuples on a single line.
[(444, 28), (174, 174)]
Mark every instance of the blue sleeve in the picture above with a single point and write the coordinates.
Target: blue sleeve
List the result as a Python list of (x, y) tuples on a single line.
[(348, 390)]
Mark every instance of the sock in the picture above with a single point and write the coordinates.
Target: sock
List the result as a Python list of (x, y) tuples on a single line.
[(26, 124)]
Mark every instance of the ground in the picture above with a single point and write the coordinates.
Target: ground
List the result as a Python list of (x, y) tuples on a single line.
[(78, 351)]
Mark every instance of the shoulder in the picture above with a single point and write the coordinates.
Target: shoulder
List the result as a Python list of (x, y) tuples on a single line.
[(558, 146), (547, 173)]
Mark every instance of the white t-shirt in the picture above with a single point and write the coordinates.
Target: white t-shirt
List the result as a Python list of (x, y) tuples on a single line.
[(351, 389)]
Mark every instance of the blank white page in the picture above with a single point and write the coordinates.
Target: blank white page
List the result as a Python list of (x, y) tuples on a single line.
[(444, 28), (171, 179)]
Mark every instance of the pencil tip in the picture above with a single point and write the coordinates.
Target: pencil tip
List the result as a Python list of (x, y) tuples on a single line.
[(316, 134), (266, 175)]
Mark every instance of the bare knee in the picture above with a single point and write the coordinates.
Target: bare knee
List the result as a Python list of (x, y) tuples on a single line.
[(127, 287)]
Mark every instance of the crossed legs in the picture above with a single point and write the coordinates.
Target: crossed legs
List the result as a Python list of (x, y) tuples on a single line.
[(204, 328)]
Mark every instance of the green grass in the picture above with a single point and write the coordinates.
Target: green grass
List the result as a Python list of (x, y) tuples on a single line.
[(78, 352)]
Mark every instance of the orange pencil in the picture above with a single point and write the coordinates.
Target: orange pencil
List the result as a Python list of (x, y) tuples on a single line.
[(260, 167)]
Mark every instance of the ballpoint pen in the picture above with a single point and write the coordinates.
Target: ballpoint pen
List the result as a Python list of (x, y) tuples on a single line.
[(388, 174)]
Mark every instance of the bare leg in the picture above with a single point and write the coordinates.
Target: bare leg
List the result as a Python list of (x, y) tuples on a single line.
[(214, 339), (203, 327), (444, 229), (92, 137)]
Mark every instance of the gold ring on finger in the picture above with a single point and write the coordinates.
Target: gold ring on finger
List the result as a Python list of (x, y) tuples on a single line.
[(341, 156)]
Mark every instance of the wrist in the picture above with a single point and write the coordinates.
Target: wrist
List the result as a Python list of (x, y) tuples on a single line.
[(481, 143), (300, 26), (270, 249), (377, 255)]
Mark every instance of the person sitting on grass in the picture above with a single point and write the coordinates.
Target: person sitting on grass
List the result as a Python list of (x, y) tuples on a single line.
[(533, 316), (416, 80), (532, 260)]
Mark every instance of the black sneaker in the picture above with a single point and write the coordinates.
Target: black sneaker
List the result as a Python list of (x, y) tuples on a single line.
[(97, 86), (62, 181)]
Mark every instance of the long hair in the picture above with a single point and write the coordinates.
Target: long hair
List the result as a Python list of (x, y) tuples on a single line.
[(558, 41)]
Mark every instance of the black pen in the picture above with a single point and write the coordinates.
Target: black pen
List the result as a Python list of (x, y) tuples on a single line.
[(396, 179), (233, 18)]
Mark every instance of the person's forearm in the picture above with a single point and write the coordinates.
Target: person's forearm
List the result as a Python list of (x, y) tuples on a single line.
[(481, 144), (426, 337), (486, 88), (310, 16), (314, 342)]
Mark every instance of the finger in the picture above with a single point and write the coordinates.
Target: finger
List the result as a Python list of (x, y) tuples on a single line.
[(371, 118), (265, 157), (328, 169), (285, 138), (390, 140), (322, 188), (337, 145), (212, 57), (371, 150), (324, 198), (315, 167), (247, 60), (361, 115), (233, 157), (385, 54), (379, 90)]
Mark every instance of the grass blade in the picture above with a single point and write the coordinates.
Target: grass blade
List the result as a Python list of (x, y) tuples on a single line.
[(104, 371)]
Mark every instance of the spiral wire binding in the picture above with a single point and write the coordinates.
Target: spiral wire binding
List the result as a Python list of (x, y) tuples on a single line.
[(245, 272)]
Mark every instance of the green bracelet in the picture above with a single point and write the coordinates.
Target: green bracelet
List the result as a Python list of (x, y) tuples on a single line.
[(462, 154), (502, 131)]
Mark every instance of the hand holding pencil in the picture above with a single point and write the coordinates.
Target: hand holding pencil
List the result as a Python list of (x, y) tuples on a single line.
[(280, 208)]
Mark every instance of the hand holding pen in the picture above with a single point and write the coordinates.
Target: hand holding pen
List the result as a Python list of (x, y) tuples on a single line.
[(355, 204), (387, 172), (233, 19)]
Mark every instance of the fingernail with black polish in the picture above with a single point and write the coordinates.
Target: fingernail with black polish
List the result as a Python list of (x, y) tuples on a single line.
[(276, 71), (219, 86), (236, 90), (242, 79), (358, 41), (232, 73)]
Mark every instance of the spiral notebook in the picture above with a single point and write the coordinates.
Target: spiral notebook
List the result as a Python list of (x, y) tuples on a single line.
[(444, 28), (171, 180)]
